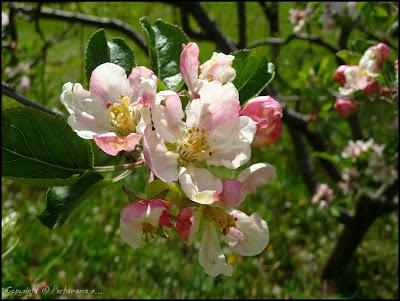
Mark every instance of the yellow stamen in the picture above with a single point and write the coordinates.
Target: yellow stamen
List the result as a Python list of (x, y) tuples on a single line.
[(194, 147), (122, 117), (219, 218)]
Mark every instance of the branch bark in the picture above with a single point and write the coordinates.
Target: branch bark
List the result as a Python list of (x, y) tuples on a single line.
[(367, 211), (7, 90), (109, 23), (242, 26)]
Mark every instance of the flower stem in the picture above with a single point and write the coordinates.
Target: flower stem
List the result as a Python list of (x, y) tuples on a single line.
[(118, 167)]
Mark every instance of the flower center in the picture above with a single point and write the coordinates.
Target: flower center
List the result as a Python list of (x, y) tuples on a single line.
[(194, 147), (122, 116), (219, 218)]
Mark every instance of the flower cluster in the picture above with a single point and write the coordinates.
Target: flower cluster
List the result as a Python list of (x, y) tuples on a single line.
[(334, 10), (298, 18), (323, 196), (183, 146), (369, 172), (361, 77)]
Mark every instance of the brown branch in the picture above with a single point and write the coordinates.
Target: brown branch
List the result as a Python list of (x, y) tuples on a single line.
[(303, 159), (109, 23), (300, 36), (195, 34), (241, 10), (209, 25), (7, 90)]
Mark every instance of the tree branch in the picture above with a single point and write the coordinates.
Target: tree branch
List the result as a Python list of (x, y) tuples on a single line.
[(7, 90), (208, 25), (55, 14), (300, 36), (195, 34), (241, 10)]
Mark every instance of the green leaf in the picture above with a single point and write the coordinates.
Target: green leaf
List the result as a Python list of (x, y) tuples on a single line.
[(62, 200), (121, 54), (165, 41), (360, 45), (252, 74), (97, 52), (41, 149), (222, 172), (349, 57), (329, 157)]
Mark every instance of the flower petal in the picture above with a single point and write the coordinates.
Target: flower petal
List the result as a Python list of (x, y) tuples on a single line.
[(211, 257), (250, 235), (187, 223), (231, 193), (200, 185), (254, 176), (112, 144), (230, 142), (167, 116), (89, 115), (217, 104), (109, 81), (161, 162), (131, 233), (189, 65), (144, 84)]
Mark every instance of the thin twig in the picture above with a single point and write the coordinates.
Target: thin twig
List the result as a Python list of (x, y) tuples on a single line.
[(56, 14), (7, 90), (241, 10)]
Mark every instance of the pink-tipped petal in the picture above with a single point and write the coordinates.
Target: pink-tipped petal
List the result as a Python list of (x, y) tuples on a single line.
[(255, 176), (109, 82), (345, 107), (144, 85), (167, 116), (112, 144), (267, 113), (189, 65), (163, 163), (231, 193)]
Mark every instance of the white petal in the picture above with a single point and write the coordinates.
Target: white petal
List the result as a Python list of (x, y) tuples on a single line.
[(109, 81), (89, 114), (162, 162), (254, 176), (216, 105), (200, 185), (211, 257), (131, 233), (167, 116), (231, 141), (250, 235)]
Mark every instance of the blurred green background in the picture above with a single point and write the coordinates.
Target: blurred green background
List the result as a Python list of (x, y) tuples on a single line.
[(87, 252)]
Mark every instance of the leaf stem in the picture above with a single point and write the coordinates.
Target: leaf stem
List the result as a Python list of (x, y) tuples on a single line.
[(126, 166)]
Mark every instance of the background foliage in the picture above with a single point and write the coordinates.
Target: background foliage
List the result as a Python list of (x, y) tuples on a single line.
[(87, 252)]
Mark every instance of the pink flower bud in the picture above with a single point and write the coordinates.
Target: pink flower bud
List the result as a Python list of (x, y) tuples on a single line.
[(189, 66), (345, 107), (267, 113), (382, 51), (339, 76), (396, 65), (142, 217), (372, 88)]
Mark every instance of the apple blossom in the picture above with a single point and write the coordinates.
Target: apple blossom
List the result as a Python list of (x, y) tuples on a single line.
[(219, 68), (114, 111), (143, 217), (244, 235), (213, 133), (339, 76), (267, 113), (323, 195), (345, 107), (372, 88)]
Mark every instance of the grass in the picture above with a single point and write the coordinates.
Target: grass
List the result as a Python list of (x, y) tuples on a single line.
[(87, 252)]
